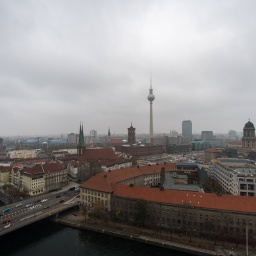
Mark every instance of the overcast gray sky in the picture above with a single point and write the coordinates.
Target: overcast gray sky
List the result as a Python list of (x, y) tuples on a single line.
[(66, 61)]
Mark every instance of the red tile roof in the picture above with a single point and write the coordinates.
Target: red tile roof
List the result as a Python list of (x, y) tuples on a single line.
[(98, 153), (115, 141), (98, 183), (130, 172), (43, 168), (5, 168), (123, 174), (53, 167), (107, 182), (212, 150), (194, 199)]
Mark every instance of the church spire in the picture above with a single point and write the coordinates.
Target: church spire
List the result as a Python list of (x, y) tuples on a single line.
[(81, 145), (81, 136)]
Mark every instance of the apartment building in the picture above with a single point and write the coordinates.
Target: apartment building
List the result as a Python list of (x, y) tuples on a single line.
[(39, 178)]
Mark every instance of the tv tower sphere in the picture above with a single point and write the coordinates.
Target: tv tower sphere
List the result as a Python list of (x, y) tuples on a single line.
[(151, 96)]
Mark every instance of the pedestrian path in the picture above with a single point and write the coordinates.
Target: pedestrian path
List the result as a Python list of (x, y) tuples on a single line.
[(196, 245)]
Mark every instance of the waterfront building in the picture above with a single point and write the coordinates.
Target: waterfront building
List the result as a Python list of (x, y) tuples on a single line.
[(205, 214)]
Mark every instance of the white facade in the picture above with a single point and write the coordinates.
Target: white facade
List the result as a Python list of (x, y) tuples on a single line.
[(116, 166), (22, 154), (72, 138), (236, 176)]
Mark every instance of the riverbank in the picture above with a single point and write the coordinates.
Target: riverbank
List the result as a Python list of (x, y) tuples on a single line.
[(187, 244)]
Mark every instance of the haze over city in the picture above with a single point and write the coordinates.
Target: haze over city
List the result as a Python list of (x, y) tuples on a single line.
[(66, 62)]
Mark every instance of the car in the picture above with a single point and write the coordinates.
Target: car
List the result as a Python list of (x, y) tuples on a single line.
[(4, 221), (61, 201), (32, 207), (44, 200), (28, 205), (6, 210), (18, 205), (58, 196), (8, 225)]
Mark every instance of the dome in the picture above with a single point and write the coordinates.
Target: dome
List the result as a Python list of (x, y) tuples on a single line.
[(249, 125)]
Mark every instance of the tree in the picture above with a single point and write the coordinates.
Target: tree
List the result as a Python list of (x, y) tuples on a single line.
[(140, 212), (98, 209), (116, 213)]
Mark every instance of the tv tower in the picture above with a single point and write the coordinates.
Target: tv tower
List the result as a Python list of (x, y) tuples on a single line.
[(151, 98)]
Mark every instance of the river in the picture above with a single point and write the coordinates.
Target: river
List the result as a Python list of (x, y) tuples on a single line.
[(47, 239)]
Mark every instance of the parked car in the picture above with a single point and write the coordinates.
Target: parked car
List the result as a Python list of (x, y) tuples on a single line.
[(18, 205), (28, 205), (44, 200)]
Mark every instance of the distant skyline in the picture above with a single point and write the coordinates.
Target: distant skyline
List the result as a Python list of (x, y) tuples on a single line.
[(65, 62)]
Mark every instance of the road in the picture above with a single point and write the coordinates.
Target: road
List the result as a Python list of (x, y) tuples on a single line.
[(36, 208)]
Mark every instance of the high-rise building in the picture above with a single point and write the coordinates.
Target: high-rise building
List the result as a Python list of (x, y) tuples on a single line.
[(187, 128), (151, 98), (72, 138), (93, 137), (93, 133)]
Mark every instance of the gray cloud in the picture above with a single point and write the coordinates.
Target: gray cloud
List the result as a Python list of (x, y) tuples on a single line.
[(62, 62)]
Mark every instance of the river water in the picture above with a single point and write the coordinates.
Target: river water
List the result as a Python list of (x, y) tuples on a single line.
[(47, 239)]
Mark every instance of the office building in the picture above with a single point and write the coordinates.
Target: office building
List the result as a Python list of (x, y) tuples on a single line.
[(187, 128)]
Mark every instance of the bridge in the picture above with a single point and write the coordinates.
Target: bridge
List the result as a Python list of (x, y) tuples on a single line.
[(32, 210)]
